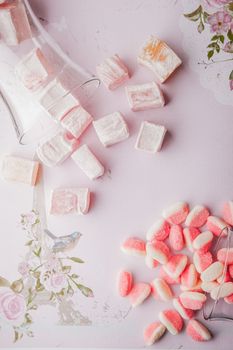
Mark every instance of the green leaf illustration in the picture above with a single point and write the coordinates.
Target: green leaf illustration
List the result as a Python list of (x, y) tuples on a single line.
[(230, 35), (77, 260), (210, 54), (205, 16), (87, 292), (200, 27), (195, 15), (221, 38), (29, 243), (4, 282), (17, 336), (214, 38), (231, 75), (66, 269)]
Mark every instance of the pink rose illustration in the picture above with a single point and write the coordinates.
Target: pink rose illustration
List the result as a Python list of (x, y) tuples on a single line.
[(55, 282), (220, 22), (12, 305)]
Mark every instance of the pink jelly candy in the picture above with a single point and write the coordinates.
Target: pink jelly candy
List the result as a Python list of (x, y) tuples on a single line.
[(176, 238), (125, 283), (202, 260), (186, 314), (176, 213), (161, 290), (153, 332), (217, 226), (159, 230), (158, 250), (197, 216), (139, 293), (212, 272), (203, 241), (228, 212), (225, 256), (222, 291), (167, 278), (172, 320), (230, 269), (192, 300), (190, 233), (197, 331), (176, 265), (189, 276), (150, 262), (134, 246)]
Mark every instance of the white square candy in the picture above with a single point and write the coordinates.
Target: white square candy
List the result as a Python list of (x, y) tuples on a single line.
[(88, 162), (150, 137), (76, 121), (33, 70), (56, 150), (144, 96), (159, 57), (14, 25), (63, 106), (111, 129), (20, 170), (112, 72), (52, 93), (70, 201)]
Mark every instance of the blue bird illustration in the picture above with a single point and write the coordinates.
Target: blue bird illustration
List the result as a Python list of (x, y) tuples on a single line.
[(63, 243)]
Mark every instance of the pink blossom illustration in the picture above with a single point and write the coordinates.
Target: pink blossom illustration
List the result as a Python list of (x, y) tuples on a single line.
[(220, 22), (12, 305)]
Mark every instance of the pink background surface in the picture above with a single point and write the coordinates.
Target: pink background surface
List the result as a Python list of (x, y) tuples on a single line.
[(195, 165)]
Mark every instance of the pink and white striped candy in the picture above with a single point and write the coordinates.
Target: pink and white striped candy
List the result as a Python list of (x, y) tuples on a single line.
[(209, 286), (134, 246), (230, 270), (225, 256), (159, 230), (150, 262), (186, 314), (203, 241), (167, 278), (216, 226), (225, 277), (153, 332), (176, 237), (158, 250), (172, 320), (176, 213), (176, 265), (222, 291), (202, 260), (189, 276), (190, 233), (161, 290), (77, 121), (196, 288), (228, 212), (139, 293), (197, 331), (192, 300), (197, 216), (212, 272), (112, 72), (125, 283), (229, 299)]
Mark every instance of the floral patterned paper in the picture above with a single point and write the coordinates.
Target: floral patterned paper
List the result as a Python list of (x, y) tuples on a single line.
[(208, 39), (45, 278)]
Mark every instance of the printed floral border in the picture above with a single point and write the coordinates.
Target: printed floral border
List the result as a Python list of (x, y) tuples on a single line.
[(219, 24), (46, 277)]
